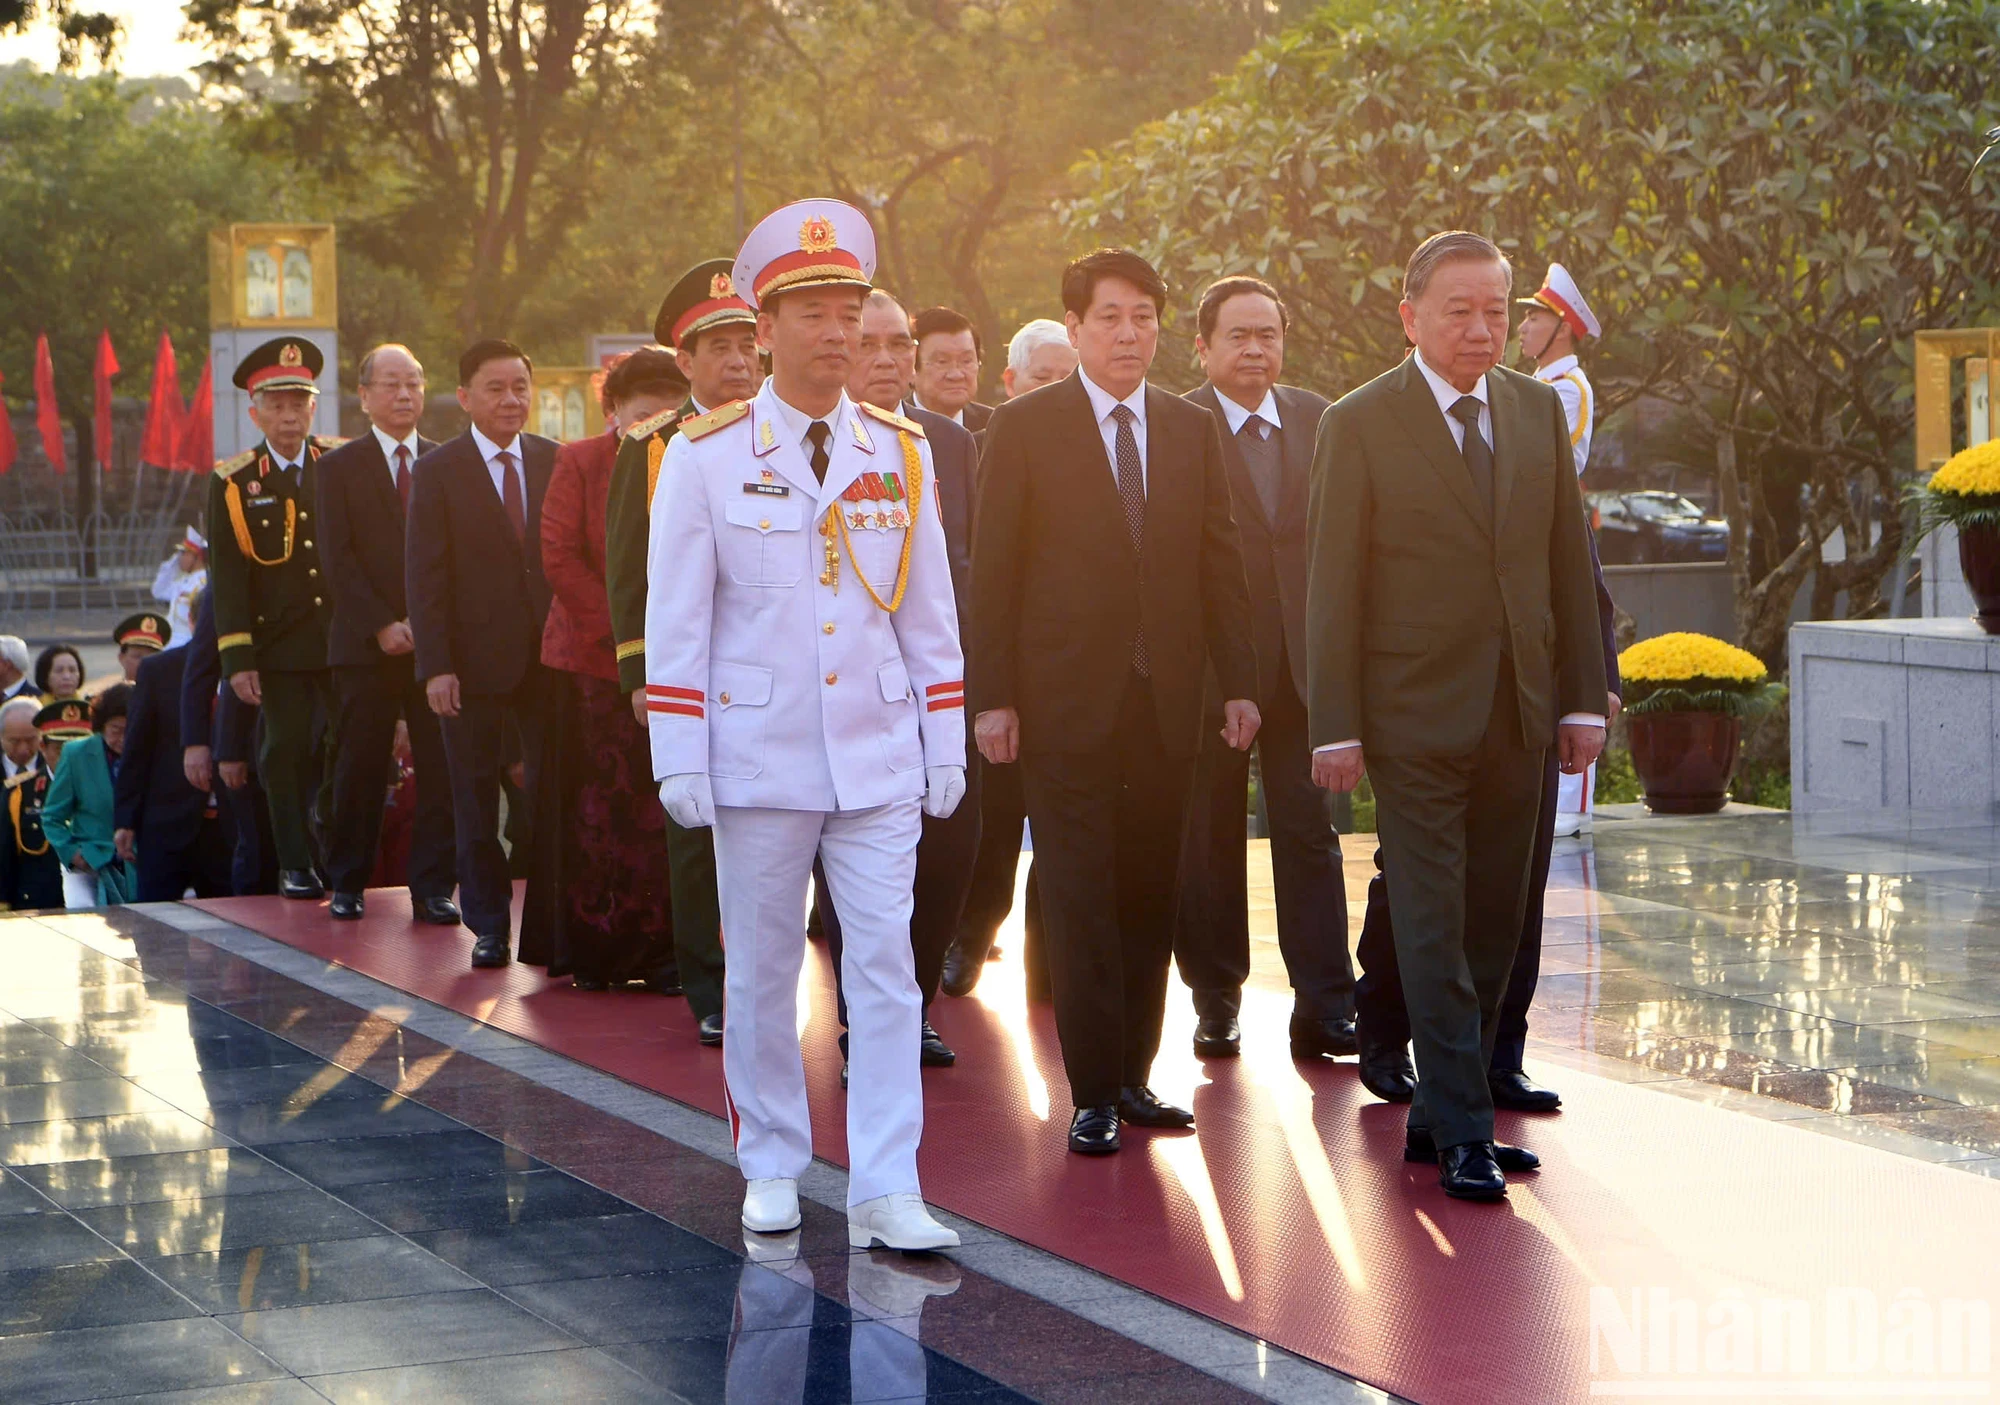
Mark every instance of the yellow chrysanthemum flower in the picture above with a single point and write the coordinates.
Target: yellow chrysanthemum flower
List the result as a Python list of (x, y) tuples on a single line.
[(1675, 658), (1973, 472)]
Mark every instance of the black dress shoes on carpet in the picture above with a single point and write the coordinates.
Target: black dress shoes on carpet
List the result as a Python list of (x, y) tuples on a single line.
[(1322, 1039), (1217, 1037), (347, 907), (439, 912), (711, 1030), (491, 951), (1094, 1131), (1386, 1070), (585, 983), (300, 884), (1470, 1171), (1418, 1146), (962, 969), (1142, 1108), (1515, 1091), (933, 1052)]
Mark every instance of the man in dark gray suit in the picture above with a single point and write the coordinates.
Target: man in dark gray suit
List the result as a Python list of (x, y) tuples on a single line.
[(1452, 639), (1267, 445)]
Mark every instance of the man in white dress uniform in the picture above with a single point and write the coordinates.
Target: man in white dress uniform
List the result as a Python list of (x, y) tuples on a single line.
[(1554, 324), (805, 692)]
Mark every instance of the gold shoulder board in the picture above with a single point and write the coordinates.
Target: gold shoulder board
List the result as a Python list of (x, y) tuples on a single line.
[(652, 424), (19, 778), (721, 417), (225, 467), (908, 426), (329, 441)]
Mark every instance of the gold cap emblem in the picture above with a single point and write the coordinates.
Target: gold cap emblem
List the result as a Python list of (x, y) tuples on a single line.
[(816, 235), (72, 713), (150, 625), (720, 286), (290, 355)]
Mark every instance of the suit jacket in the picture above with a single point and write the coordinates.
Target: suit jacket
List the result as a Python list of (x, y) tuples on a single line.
[(223, 721), (361, 546), (477, 595), (577, 635), (976, 416), (1275, 552), (1416, 593), (1058, 594), (153, 795), (955, 459), (80, 813)]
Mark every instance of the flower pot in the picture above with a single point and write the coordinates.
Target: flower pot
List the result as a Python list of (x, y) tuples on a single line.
[(1979, 559), (1685, 759)]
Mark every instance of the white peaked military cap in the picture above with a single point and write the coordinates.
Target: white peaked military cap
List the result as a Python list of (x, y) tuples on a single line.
[(1560, 295), (809, 243)]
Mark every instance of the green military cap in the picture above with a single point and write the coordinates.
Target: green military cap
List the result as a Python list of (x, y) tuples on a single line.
[(148, 631), (282, 363), (64, 720), (705, 297)]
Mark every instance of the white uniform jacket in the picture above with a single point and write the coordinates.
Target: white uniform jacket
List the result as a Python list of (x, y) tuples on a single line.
[(792, 691), (1579, 403)]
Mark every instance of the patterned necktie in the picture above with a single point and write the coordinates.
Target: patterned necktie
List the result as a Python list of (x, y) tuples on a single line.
[(817, 434), (1260, 460), (510, 497), (1132, 497), (403, 475), (1478, 457)]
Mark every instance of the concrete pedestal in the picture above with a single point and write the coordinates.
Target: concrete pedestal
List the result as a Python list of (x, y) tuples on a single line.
[(1895, 714)]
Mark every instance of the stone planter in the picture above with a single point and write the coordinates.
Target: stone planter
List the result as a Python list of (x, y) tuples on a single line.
[(1685, 759), (1979, 559)]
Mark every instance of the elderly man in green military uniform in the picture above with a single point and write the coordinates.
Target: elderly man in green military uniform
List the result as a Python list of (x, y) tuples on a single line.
[(30, 872), (713, 334), (271, 605)]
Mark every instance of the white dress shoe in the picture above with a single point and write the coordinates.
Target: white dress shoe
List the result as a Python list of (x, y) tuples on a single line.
[(897, 1221), (771, 1205)]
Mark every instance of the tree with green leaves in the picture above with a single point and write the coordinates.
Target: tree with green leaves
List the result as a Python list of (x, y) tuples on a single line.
[(1764, 198), (78, 28)]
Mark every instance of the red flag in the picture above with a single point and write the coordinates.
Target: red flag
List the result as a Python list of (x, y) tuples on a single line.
[(7, 446), (47, 418), (107, 367), (164, 412), (194, 450)]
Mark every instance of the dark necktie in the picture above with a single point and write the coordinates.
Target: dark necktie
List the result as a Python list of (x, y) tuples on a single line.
[(1478, 456), (1260, 458), (1132, 497), (510, 497), (403, 475), (817, 434)]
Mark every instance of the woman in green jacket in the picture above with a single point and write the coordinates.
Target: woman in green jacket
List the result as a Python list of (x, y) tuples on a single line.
[(78, 816)]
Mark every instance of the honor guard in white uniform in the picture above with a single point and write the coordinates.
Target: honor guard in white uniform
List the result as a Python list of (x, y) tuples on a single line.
[(1556, 322), (805, 691)]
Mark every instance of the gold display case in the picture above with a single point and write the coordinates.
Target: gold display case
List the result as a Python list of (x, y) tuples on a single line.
[(272, 277), (566, 406), (1936, 355)]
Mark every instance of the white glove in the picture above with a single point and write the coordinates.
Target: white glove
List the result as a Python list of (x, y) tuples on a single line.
[(944, 787), (689, 800)]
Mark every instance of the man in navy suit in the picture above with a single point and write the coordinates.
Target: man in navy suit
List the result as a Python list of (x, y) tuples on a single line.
[(168, 827), (477, 600), (218, 732), (364, 492)]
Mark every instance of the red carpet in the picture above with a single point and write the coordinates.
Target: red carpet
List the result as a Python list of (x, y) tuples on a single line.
[(1292, 1216)]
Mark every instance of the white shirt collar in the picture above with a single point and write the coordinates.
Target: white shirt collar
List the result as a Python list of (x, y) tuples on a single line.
[(1558, 368), (1236, 414), (1448, 394), (1103, 401), (390, 445), (957, 417), (487, 448), (280, 462), (797, 421), (699, 408)]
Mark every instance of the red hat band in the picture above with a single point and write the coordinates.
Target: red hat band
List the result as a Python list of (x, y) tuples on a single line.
[(704, 314), (809, 266), (1552, 300)]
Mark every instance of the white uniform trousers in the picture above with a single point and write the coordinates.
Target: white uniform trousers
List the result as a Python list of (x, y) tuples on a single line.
[(763, 859)]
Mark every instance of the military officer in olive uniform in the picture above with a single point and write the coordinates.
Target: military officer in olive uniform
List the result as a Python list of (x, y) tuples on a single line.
[(30, 872), (713, 333), (271, 604)]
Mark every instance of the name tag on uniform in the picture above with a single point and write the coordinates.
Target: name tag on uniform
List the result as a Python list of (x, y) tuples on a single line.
[(768, 490), (262, 502)]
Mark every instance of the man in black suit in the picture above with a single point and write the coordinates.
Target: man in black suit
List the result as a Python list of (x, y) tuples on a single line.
[(218, 732), (946, 371), (172, 831), (477, 600), (1107, 577), (1267, 443), (364, 494)]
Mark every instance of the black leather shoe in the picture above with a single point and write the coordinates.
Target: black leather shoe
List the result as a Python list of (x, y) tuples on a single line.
[(1142, 1108), (933, 1052), (1217, 1037), (585, 983), (439, 912), (491, 951), (1516, 1091), (1094, 1131), (962, 969), (347, 907), (1386, 1070), (711, 1030), (301, 884), (1418, 1146), (1322, 1039), (1470, 1172)]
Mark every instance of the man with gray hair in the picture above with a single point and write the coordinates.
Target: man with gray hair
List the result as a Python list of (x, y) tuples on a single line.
[(15, 679), (1452, 639), (1040, 354)]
